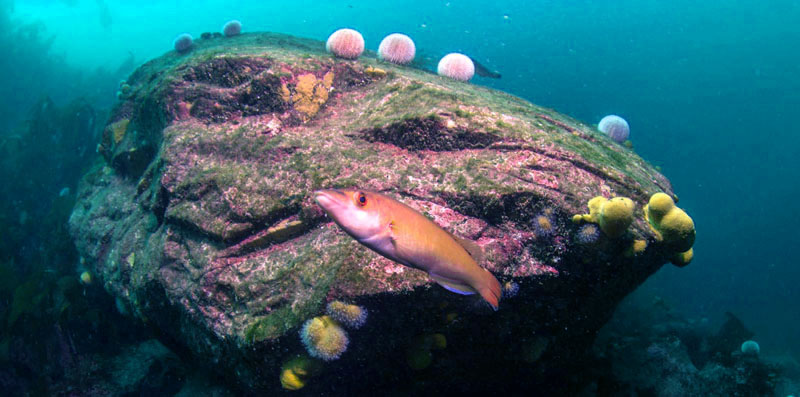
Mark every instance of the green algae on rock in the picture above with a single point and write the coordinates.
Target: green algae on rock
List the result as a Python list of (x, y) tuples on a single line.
[(209, 185)]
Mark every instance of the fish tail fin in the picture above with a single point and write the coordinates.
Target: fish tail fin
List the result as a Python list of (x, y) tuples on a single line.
[(490, 290)]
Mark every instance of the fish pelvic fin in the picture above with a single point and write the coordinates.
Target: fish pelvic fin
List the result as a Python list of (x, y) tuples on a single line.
[(452, 285), (490, 290)]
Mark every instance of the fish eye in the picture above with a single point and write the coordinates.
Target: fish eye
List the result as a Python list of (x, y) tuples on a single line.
[(361, 199)]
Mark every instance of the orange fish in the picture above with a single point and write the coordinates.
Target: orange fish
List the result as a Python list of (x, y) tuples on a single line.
[(405, 236)]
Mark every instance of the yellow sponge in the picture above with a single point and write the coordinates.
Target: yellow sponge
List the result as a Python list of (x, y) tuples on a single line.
[(613, 216), (296, 372), (671, 224), (681, 259), (636, 248), (291, 381)]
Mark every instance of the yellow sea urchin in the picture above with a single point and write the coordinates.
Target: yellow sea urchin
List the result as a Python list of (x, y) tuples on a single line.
[(349, 315), (324, 338)]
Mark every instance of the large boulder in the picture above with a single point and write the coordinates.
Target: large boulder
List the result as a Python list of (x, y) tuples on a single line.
[(202, 223)]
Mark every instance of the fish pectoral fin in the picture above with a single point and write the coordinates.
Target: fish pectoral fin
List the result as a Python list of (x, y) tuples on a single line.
[(473, 249), (384, 243), (452, 286)]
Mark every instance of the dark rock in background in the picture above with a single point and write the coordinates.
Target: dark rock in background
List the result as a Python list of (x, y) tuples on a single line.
[(650, 350), (729, 337)]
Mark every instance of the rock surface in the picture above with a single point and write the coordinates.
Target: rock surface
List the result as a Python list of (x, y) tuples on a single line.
[(202, 224)]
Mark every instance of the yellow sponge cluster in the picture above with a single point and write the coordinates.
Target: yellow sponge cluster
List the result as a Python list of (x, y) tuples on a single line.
[(672, 226), (612, 215)]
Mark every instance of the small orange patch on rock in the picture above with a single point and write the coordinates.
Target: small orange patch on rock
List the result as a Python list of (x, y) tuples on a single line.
[(112, 136), (636, 248), (183, 110), (375, 73), (309, 94), (118, 130), (327, 80), (285, 94)]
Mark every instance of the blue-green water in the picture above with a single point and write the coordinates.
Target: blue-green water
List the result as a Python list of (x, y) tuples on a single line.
[(711, 90)]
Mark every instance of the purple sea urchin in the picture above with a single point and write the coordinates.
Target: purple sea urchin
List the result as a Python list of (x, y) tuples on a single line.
[(397, 48), (588, 233), (615, 127), (456, 66), (510, 289), (345, 43), (232, 28), (183, 42), (543, 225)]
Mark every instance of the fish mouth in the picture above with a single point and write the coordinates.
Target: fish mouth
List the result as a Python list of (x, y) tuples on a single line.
[(327, 199)]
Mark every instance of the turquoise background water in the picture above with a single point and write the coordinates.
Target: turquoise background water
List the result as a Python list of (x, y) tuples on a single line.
[(711, 90)]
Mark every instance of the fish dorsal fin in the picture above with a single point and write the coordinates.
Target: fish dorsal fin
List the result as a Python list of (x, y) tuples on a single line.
[(473, 249), (451, 285)]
